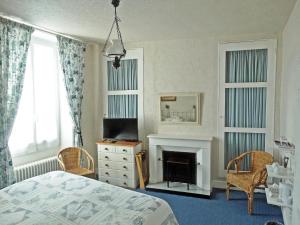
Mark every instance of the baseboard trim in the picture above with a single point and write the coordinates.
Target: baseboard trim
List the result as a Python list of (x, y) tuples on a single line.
[(220, 184)]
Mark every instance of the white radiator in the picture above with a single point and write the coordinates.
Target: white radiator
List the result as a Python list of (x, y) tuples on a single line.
[(36, 168)]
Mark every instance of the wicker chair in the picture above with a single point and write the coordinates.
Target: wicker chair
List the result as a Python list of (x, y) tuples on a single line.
[(248, 180), (69, 160)]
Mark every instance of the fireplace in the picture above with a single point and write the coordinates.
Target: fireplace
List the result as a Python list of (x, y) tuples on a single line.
[(179, 167), (189, 160)]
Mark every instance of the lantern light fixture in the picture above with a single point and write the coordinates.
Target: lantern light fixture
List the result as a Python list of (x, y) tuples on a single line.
[(114, 48)]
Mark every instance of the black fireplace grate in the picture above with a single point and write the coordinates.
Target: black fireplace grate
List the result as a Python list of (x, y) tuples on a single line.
[(179, 167)]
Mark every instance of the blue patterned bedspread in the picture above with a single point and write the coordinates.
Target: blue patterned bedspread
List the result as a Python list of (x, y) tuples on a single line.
[(59, 198)]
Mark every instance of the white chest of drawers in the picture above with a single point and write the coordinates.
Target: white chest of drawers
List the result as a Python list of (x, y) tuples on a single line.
[(116, 162)]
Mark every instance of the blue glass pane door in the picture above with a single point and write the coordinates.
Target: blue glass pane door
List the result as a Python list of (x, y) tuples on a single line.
[(245, 106)]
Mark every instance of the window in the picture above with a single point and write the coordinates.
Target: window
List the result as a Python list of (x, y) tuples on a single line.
[(37, 125), (247, 81), (124, 88)]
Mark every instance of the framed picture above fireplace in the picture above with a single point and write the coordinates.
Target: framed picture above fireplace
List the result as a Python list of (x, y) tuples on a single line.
[(179, 108)]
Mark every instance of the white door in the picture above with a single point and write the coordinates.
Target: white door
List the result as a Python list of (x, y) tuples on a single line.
[(124, 88), (246, 98)]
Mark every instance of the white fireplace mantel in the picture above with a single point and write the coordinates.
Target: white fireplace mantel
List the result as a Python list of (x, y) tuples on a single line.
[(180, 143)]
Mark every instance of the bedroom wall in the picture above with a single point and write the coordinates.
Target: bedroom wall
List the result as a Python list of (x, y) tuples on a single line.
[(92, 100), (188, 65), (290, 97)]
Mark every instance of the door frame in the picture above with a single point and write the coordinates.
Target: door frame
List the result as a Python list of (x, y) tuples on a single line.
[(136, 53), (271, 45)]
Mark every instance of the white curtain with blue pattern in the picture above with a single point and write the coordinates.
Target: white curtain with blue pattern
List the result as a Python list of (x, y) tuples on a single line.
[(14, 43), (72, 59)]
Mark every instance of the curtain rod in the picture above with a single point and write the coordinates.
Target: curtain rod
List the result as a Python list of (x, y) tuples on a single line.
[(40, 28)]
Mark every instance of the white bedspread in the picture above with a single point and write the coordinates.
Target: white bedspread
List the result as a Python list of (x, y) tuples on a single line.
[(59, 198)]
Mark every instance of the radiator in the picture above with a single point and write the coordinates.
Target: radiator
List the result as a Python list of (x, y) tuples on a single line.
[(36, 168)]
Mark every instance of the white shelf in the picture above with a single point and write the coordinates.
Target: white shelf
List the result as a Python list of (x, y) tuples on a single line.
[(287, 215), (274, 200), (284, 173), (285, 150), (287, 176)]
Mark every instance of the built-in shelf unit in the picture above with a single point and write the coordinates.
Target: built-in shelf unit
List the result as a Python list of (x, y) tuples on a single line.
[(285, 175)]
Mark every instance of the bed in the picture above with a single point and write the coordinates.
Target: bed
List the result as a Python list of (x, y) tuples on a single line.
[(60, 198)]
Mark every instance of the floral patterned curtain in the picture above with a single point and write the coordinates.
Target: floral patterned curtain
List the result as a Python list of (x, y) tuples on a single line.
[(72, 61), (14, 43)]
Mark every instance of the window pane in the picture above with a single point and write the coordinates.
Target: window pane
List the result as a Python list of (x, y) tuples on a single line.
[(22, 136), (122, 106), (37, 124), (246, 66), (123, 78), (238, 143), (245, 107), (46, 97)]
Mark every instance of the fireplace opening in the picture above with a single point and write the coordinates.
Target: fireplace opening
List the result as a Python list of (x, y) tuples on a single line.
[(179, 167)]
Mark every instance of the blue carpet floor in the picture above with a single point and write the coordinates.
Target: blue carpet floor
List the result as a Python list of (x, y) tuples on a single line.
[(219, 211)]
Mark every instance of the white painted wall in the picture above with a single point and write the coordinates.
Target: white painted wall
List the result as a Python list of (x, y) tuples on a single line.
[(290, 95), (91, 105), (187, 65)]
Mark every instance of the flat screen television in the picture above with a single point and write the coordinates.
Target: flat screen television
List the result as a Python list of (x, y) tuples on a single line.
[(120, 129)]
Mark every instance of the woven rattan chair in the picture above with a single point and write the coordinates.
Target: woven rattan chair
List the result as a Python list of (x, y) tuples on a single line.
[(69, 160), (248, 180)]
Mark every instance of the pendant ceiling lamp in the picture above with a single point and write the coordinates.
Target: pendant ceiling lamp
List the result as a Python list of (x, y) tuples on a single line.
[(114, 48)]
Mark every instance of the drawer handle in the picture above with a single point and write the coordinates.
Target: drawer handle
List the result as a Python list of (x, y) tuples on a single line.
[(125, 167), (124, 158), (107, 173), (125, 183), (107, 181), (159, 159), (124, 150), (106, 165), (106, 149), (124, 175), (106, 157)]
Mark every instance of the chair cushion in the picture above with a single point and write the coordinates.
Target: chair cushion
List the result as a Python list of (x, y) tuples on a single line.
[(242, 180), (80, 171)]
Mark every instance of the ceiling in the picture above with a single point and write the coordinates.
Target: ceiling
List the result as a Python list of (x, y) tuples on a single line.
[(148, 20)]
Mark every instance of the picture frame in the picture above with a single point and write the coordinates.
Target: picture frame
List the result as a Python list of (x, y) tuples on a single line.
[(179, 108)]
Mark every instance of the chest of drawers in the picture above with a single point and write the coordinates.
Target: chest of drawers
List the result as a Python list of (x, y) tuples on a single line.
[(116, 162)]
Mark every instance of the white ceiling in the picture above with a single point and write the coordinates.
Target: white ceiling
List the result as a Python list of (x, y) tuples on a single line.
[(146, 20)]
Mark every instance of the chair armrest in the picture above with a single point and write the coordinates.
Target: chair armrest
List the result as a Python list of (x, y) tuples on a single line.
[(259, 177), (61, 163), (237, 162), (229, 164), (90, 160)]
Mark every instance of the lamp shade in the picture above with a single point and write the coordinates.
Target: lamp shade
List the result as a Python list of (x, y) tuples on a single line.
[(115, 48)]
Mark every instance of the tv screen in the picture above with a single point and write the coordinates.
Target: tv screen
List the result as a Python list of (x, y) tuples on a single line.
[(120, 129)]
